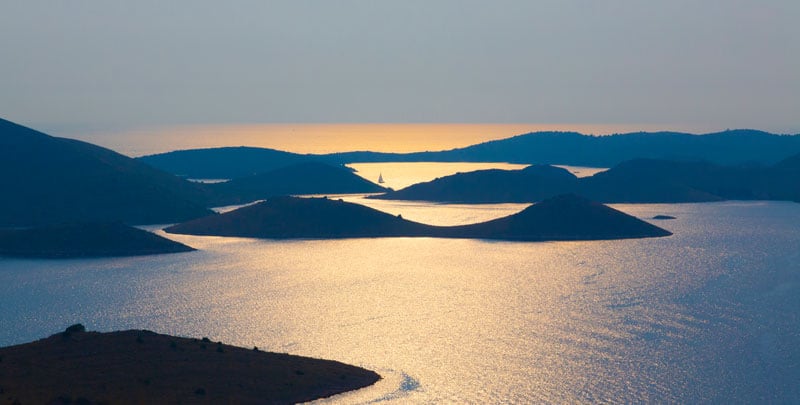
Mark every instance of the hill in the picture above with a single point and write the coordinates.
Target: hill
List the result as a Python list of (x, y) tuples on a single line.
[(563, 148), (649, 180), (635, 181), (790, 163), (567, 217), (143, 367), (533, 183), (572, 148), (789, 180), (292, 217), (85, 240), (296, 179), (657, 181), (564, 217), (46, 180), (224, 163)]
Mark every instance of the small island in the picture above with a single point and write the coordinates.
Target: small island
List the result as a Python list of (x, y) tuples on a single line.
[(663, 217), (564, 217), (97, 239), (139, 366)]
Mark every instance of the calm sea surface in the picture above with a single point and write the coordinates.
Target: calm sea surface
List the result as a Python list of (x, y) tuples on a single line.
[(711, 314)]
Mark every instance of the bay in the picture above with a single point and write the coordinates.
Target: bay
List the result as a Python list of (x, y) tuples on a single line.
[(708, 315)]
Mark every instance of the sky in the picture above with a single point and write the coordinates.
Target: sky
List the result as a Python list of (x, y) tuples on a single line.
[(108, 67)]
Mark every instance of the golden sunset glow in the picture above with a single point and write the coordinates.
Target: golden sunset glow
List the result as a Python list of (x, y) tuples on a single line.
[(326, 138)]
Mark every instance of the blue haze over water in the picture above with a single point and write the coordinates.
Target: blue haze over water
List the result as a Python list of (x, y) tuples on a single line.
[(710, 314)]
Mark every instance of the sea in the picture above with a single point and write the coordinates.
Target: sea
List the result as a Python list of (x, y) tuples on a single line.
[(710, 314)]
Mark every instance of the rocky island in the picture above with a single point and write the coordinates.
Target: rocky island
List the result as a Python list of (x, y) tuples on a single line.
[(565, 217), (139, 366)]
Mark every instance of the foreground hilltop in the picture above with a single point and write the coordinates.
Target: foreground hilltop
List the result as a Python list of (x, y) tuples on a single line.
[(84, 240), (47, 180), (139, 367), (566, 217)]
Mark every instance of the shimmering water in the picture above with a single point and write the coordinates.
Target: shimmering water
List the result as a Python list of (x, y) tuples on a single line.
[(707, 315)]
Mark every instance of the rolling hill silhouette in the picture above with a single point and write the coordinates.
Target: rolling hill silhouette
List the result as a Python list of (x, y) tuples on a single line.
[(788, 182), (296, 179), (533, 183), (790, 163), (565, 148), (566, 217), (224, 163), (48, 180), (572, 148), (293, 217), (634, 181), (563, 217)]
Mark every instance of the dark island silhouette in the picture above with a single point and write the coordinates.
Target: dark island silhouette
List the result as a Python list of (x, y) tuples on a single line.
[(225, 162), (84, 240), (566, 217), (53, 180), (729, 147), (663, 217), (294, 217), (788, 186), (48, 180), (296, 179), (565, 148), (139, 367), (531, 184), (634, 181)]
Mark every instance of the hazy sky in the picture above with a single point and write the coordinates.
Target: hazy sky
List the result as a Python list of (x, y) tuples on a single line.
[(75, 65)]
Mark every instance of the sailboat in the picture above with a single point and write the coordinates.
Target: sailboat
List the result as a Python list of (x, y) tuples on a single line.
[(380, 178)]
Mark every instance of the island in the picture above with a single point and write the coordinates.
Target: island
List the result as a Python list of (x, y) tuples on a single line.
[(530, 184), (139, 366), (633, 181), (85, 240), (663, 217), (546, 147), (225, 162), (295, 179), (47, 180), (564, 217)]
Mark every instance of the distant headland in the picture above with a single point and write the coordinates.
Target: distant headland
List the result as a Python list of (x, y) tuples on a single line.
[(733, 147)]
